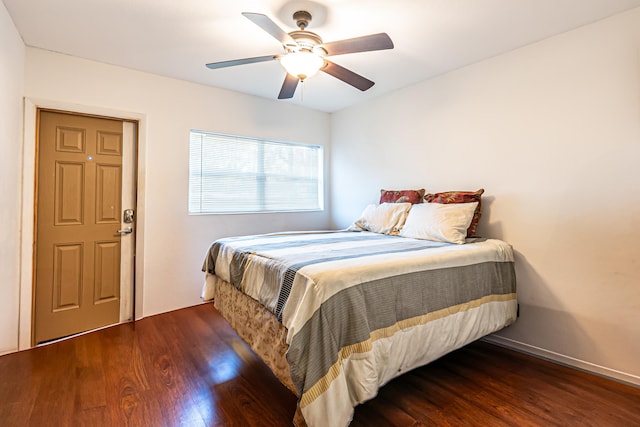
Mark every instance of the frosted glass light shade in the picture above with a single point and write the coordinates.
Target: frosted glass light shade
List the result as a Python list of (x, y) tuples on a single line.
[(302, 64)]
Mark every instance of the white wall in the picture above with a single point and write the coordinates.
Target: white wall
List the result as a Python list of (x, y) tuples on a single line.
[(174, 242), (552, 132), (11, 86)]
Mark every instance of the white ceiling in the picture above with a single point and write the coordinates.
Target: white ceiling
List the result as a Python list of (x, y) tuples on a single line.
[(176, 38)]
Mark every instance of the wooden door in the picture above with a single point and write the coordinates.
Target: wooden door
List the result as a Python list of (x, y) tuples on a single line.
[(78, 215)]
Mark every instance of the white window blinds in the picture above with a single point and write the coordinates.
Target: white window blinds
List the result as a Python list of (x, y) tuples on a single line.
[(234, 174)]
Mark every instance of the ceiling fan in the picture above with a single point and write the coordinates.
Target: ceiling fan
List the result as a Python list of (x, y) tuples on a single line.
[(305, 53)]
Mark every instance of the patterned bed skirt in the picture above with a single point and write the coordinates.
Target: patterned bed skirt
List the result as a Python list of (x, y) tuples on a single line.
[(257, 326)]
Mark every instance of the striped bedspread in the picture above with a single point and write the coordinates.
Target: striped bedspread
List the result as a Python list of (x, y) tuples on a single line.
[(361, 308)]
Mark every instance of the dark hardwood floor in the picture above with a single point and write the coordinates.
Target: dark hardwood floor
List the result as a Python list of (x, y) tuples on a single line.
[(188, 368)]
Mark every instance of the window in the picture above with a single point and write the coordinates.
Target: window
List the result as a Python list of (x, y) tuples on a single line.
[(234, 174)]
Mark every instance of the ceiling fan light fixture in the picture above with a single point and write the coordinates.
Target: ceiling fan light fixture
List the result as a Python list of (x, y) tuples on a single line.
[(302, 64), (305, 53)]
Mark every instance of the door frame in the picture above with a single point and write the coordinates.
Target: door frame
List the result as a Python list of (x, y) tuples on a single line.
[(27, 229)]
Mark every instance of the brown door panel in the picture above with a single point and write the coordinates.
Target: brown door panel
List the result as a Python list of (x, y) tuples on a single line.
[(79, 193)]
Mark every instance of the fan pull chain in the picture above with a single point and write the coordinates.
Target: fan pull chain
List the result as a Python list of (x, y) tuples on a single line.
[(302, 85)]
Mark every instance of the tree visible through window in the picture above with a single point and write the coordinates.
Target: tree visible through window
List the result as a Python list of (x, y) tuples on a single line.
[(233, 174)]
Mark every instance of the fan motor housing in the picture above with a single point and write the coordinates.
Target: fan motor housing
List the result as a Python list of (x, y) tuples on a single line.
[(306, 39)]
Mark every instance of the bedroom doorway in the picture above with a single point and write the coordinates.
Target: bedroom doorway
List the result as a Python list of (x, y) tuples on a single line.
[(84, 223)]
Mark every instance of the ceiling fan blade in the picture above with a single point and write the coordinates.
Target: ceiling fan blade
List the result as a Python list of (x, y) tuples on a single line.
[(347, 76), (233, 62), (264, 22), (368, 43), (288, 87)]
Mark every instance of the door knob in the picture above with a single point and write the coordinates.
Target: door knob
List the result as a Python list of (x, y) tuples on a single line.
[(127, 230)]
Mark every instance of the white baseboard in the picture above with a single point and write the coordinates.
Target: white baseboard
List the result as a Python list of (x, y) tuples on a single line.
[(551, 356), (9, 351)]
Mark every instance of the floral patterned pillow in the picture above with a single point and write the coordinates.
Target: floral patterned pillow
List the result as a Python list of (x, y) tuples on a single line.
[(401, 196), (460, 197)]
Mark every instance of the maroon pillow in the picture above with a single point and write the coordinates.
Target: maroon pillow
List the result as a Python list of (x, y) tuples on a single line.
[(402, 196), (460, 197)]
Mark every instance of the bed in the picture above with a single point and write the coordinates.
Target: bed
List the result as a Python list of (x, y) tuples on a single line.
[(338, 314)]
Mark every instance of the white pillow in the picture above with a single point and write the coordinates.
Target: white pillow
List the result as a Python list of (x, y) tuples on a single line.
[(386, 218), (439, 222)]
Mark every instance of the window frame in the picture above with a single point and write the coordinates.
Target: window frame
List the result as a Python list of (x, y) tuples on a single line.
[(263, 142)]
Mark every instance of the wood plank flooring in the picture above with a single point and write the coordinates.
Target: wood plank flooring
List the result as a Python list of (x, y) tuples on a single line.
[(188, 368)]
